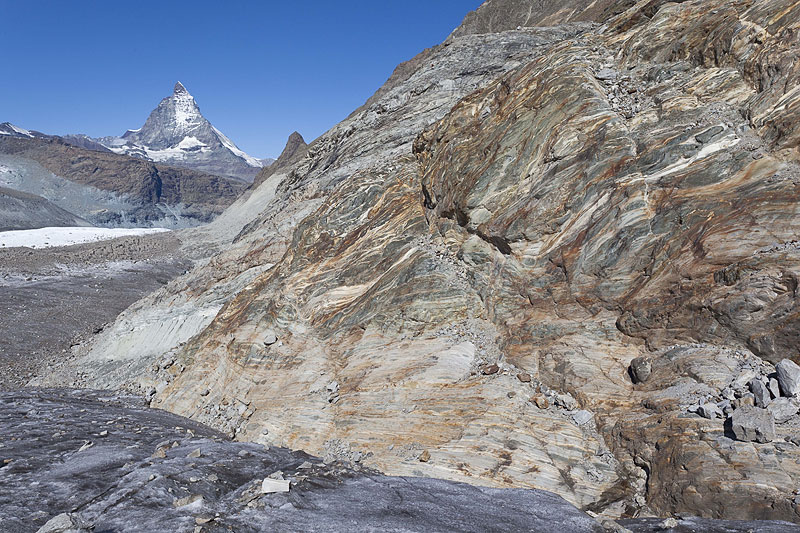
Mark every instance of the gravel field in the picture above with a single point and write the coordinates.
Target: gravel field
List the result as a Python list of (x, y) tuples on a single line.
[(53, 298)]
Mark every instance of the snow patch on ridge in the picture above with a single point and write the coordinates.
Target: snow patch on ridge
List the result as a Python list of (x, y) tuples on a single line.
[(227, 143)]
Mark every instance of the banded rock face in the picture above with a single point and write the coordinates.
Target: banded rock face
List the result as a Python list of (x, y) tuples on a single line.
[(617, 192)]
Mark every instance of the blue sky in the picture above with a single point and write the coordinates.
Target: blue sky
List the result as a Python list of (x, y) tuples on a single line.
[(258, 70)]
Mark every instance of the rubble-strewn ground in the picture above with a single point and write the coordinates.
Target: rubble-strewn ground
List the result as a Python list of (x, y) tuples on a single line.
[(51, 299)]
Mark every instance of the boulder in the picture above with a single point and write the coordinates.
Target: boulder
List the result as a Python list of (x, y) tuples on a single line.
[(788, 377), (783, 409), (751, 424), (774, 388), (761, 394), (640, 369)]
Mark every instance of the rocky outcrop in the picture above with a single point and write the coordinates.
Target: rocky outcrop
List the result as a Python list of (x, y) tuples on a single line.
[(295, 150), (576, 198)]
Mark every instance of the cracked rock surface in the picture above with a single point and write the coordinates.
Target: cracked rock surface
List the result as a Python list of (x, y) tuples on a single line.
[(115, 465)]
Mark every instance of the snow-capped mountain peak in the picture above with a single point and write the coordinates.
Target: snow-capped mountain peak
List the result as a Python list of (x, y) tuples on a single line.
[(177, 133), (179, 88), (7, 128)]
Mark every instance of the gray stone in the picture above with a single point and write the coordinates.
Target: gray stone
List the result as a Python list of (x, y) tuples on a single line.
[(64, 523), (582, 417), (566, 401), (727, 393), (761, 393), (669, 523), (710, 410), (726, 407), (747, 399), (269, 485), (743, 379), (270, 337), (774, 388), (751, 424), (788, 377), (640, 369), (606, 74), (783, 409)]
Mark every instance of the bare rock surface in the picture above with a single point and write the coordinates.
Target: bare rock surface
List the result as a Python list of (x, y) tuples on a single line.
[(700, 525), (103, 460), (551, 201)]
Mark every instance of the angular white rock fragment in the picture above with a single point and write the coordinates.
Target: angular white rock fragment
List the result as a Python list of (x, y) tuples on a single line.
[(269, 485), (582, 417)]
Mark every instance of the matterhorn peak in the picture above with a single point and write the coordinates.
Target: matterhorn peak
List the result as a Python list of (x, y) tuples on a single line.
[(177, 133), (179, 89)]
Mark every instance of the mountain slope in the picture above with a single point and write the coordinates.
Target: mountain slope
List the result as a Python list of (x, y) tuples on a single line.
[(19, 210), (111, 189), (456, 280), (177, 133)]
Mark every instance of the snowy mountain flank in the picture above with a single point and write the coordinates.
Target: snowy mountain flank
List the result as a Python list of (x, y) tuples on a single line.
[(177, 133)]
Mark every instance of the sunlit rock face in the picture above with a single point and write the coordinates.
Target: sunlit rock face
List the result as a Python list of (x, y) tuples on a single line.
[(454, 280)]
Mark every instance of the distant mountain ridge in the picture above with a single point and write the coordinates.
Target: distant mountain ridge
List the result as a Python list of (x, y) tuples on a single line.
[(177, 133)]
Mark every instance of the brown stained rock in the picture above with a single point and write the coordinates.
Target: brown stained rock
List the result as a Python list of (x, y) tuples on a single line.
[(541, 401), (524, 377), (489, 370), (425, 456)]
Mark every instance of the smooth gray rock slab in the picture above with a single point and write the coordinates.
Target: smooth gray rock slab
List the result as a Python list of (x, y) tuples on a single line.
[(788, 377), (131, 481), (582, 417), (65, 523), (752, 424), (774, 388)]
